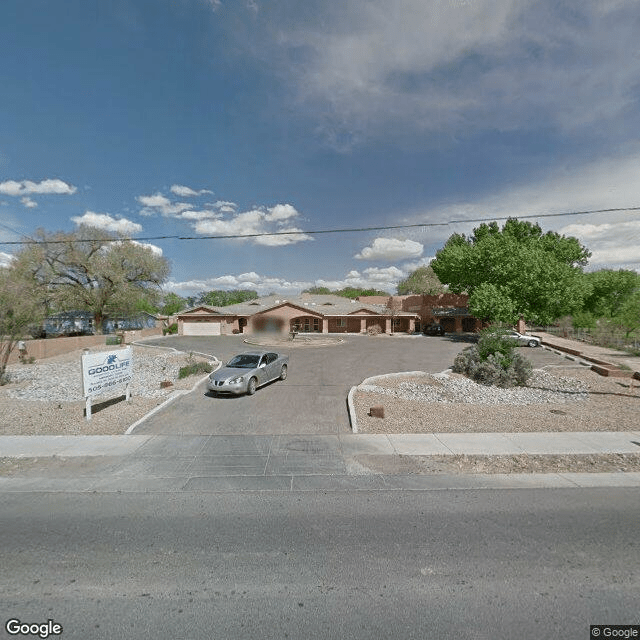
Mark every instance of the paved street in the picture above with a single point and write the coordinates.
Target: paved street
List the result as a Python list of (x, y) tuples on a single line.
[(475, 564), (313, 398)]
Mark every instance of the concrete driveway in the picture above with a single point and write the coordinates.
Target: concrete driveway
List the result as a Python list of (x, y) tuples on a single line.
[(312, 400)]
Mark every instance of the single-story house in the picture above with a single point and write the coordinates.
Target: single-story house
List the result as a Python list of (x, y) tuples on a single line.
[(305, 313), (451, 310)]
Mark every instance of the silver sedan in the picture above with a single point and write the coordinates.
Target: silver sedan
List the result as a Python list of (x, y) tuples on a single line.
[(246, 372)]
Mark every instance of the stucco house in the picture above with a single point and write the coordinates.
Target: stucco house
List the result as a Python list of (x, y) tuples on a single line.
[(451, 310), (305, 313)]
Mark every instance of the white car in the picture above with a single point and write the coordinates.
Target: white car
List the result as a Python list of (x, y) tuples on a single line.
[(523, 339)]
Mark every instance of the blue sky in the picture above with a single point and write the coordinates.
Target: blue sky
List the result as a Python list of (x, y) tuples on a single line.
[(209, 117)]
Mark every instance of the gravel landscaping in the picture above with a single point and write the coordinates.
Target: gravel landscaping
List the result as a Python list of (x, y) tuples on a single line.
[(559, 398), (45, 398)]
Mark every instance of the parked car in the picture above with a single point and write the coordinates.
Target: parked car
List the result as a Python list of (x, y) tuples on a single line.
[(246, 372), (434, 330), (523, 339)]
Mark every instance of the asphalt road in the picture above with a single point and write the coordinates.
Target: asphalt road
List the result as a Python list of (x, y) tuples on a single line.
[(475, 564), (312, 400)]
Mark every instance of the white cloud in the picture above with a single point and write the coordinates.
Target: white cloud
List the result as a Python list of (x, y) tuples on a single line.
[(281, 212), (26, 187), (106, 222), (253, 281), (456, 64), (155, 249), (390, 249), (6, 259), (385, 279), (255, 222), (409, 267), (157, 203), (613, 245), (28, 202), (608, 183), (187, 192)]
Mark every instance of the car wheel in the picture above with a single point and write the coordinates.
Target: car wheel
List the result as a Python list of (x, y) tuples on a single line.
[(251, 387), (533, 343), (283, 372)]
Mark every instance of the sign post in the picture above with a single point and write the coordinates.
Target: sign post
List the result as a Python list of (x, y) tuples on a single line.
[(103, 371)]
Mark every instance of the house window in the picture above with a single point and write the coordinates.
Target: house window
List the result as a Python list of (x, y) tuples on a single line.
[(341, 322), (316, 324)]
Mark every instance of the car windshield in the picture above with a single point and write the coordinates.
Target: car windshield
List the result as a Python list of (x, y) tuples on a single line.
[(244, 362)]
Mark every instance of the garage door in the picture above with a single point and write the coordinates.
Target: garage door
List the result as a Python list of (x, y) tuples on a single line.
[(201, 328)]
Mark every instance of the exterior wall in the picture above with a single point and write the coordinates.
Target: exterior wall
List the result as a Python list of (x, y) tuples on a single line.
[(425, 305), (50, 347)]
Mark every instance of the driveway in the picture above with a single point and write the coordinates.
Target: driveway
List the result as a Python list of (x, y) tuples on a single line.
[(312, 400)]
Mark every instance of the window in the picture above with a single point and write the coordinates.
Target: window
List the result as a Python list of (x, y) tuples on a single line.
[(341, 322)]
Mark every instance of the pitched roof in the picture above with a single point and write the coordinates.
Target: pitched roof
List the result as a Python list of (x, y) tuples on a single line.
[(326, 305)]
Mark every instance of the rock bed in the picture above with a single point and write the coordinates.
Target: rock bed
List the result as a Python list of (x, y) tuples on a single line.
[(450, 387)]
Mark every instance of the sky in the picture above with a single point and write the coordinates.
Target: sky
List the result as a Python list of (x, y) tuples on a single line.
[(194, 118)]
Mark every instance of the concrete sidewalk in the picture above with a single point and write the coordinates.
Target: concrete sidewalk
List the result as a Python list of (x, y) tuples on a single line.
[(589, 442)]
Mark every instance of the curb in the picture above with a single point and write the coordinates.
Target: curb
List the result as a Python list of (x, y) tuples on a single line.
[(350, 405), (175, 394)]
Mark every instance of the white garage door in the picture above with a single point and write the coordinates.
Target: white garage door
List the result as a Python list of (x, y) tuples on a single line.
[(201, 328)]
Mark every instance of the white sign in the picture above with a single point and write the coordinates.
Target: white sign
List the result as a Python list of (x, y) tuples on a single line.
[(101, 372)]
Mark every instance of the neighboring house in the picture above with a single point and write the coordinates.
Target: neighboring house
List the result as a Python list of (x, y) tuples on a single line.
[(451, 310), (306, 313), (69, 323)]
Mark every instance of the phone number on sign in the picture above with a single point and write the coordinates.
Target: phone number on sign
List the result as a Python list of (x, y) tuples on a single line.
[(107, 385)]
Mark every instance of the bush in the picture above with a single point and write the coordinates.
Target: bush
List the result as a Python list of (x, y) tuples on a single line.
[(494, 361), (194, 368), (171, 329), (113, 340), (374, 330)]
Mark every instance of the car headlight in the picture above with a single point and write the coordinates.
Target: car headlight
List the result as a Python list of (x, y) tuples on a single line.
[(236, 380)]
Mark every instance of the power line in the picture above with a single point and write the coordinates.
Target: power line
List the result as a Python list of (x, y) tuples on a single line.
[(325, 231)]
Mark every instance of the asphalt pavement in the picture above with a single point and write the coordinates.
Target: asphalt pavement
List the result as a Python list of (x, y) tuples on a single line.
[(374, 565)]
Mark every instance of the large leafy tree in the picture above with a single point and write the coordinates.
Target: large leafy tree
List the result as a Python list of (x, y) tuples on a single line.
[(21, 306), (422, 281), (609, 291), (347, 292), (94, 270), (515, 271)]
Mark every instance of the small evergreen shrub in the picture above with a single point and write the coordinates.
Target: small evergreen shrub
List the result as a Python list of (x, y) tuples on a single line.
[(113, 340), (194, 368), (494, 361), (171, 329)]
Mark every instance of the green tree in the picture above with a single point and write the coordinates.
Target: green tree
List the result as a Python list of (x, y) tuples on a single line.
[(628, 317), (609, 291), (515, 271), (355, 292), (21, 307), (318, 291), (220, 298), (94, 270), (172, 303), (423, 281)]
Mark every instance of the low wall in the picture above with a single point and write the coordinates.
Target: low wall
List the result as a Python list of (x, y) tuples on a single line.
[(50, 347)]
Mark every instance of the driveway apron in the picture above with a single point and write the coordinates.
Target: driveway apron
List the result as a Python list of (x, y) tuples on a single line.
[(312, 400)]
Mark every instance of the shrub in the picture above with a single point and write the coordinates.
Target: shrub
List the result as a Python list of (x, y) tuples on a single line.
[(171, 329), (494, 361), (374, 330), (194, 368), (113, 340)]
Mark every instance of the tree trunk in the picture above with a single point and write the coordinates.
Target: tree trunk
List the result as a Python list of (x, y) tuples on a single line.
[(98, 317)]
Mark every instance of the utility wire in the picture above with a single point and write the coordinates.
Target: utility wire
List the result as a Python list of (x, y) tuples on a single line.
[(323, 231)]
